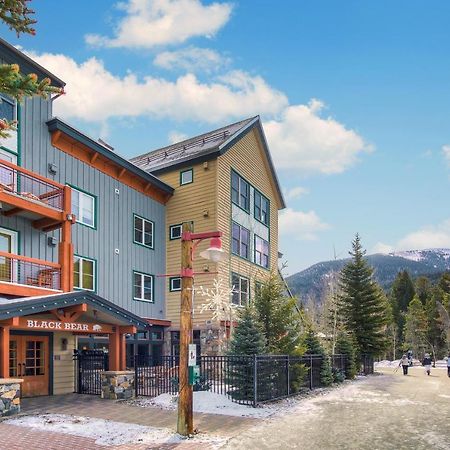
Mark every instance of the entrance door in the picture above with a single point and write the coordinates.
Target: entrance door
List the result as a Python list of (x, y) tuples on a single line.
[(29, 359), (8, 244)]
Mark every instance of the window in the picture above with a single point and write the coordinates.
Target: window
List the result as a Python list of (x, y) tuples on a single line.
[(240, 191), (83, 206), (7, 108), (143, 231), (261, 208), (174, 284), (186, 176), (240, 241), (84, 276), (240, 286), (261, 252), (176, 230), (143, 287)]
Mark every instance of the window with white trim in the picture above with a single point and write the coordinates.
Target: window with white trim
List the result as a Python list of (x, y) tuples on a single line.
[(174, 284), (240, 191), (143, 231), (83, 206), (261, 252), (84, 273), (241, 291), (143, 287), (240, 242), (175, 231), (261, 208), (186, 176)]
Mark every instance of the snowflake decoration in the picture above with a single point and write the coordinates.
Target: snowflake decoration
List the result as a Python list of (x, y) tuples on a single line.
[(217, 300)]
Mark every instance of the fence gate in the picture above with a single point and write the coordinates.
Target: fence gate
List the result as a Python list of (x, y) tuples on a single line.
[(89, 365)]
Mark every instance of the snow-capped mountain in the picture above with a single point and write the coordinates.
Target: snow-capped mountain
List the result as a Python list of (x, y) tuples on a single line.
[(312, 282)]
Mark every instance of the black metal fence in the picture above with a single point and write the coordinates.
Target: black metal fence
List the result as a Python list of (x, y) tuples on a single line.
[(89, 364), (249, 380)]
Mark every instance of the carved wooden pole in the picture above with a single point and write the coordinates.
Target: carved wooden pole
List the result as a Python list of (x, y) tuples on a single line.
[(185, 424)]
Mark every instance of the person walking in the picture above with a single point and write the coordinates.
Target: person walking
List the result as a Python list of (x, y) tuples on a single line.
[(404, 362), (427, 363), (448, 365), (410, 357)]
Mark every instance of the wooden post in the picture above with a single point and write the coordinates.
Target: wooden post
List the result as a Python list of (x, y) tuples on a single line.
[(4, 357), (114, 350), (66, 246), (185, 423)]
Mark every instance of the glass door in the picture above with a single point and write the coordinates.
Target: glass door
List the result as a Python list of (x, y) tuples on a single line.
[(8, 244)]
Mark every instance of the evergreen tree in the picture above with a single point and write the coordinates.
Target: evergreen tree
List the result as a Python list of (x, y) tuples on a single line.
[(362, 304), (346, 346), (423, 289), (435, 335), (415, 331), (16, 15), (444, 282), (248, 338), (279, 316), (314, 347), (402, 293)]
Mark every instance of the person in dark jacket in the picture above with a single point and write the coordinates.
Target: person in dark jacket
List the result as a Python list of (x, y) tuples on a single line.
[(410, 357), (448, 365), (427, 363), (404, 362)]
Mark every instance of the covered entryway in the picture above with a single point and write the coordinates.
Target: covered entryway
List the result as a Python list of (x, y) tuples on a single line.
[(38, 339)]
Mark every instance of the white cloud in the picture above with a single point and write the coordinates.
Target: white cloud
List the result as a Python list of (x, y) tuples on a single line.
[(301, 225), (295, 192), (176, 136), (95, 94), (446, 153), (303, 140), (192, 59), (430, 236), (380, 247), (150, 23)]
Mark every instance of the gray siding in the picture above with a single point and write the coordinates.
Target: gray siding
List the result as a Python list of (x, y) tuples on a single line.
[(114, 218)]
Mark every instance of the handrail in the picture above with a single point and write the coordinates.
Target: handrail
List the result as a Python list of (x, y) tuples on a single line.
[(40, 262), (31, 174)]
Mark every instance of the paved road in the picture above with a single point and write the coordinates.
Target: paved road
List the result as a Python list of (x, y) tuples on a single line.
[(387, 411)]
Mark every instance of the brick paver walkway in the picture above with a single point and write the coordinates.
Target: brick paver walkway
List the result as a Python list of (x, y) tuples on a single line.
[(22, 438), (93, 406)]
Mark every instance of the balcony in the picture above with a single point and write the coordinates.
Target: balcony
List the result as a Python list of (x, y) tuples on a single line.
[(23, 276), (30, 195)]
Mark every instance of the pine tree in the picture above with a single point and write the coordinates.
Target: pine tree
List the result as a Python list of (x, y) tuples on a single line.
[(16, 15), (248, 338), (415, 331), (423, 289), (402, 293), (346, 346), (362, 304), (314, 347), (280, 319)]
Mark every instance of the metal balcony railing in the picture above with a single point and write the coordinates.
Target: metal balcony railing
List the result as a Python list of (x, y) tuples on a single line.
[(17, 269), (18, 181)]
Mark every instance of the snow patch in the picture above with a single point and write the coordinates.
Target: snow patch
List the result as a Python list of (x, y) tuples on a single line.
[(208, 403), (105, 432)]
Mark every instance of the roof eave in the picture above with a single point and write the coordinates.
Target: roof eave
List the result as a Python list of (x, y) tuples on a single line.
[(27, 65), (56, 124)]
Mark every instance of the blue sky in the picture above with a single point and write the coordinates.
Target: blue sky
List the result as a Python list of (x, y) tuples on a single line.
[(354, 97)]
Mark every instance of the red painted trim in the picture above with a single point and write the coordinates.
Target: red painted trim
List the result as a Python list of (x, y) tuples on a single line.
[(161, 322), (41, 262)]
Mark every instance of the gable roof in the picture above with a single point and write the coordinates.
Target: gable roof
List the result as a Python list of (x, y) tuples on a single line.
[(11, 55), (56, 124), (32, 305), (205, 147)]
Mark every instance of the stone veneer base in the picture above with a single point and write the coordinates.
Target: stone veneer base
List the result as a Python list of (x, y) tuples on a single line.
[(9, 396), (117, 385)]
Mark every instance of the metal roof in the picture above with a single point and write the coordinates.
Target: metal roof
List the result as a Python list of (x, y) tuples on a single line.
[(56, 124), (12, 55), (32, 305), (203, 147)]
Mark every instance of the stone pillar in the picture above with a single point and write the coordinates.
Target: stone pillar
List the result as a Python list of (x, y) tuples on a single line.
[(10, 396), (118, 385)]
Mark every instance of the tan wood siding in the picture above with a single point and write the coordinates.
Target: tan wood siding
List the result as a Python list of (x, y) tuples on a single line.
[(63, 365)]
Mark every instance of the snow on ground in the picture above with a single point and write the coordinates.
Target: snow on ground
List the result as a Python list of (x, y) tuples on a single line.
[(206, 402), (105, 432), (441, 363)]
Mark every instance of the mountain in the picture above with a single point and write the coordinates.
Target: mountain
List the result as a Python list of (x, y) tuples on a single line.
[(311, 283)]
